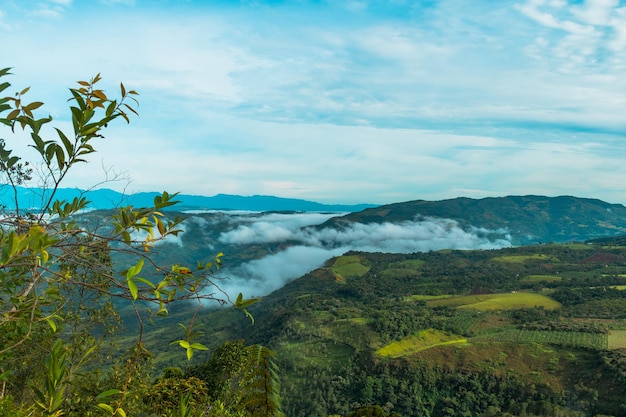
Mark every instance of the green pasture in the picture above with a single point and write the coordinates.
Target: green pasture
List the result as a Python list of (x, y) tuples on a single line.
[(541, 278), (617, 339), (420, 341), (422, 297), (350, 266), (524, 258), (581, 246), (500, 301)]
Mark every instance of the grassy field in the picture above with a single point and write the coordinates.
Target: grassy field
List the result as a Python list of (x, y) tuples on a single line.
[(524, 258), (501, 301), (317, 352), (423, 340), (346, 267), (541, 278), (617, 339)]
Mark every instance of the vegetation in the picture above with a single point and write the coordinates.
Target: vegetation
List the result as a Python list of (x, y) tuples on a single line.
[(90, 304), (461, 333), (64, 283)]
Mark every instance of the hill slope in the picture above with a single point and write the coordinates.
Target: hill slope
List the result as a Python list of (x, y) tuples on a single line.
[(527, 219), (538, 330)]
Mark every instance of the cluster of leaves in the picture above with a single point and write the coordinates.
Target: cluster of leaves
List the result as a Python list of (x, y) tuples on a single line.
[(57, 277)]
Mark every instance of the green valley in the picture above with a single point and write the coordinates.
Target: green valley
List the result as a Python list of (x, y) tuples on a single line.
[(449, 333)]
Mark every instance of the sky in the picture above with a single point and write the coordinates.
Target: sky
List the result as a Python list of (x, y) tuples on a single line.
[(338, 101)]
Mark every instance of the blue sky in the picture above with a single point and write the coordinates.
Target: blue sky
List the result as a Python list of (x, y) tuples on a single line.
[(340, 101)]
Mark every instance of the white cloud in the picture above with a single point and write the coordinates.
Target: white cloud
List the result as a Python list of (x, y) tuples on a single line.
[(307, 103), (314, 246)]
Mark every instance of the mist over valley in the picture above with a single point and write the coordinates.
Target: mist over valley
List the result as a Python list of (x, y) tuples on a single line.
[(264, 250)]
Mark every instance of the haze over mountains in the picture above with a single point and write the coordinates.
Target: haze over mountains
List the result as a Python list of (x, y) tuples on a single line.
[(269, 241), (266, 248), (106, 199)]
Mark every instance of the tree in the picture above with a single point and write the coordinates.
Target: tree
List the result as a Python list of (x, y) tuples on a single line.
[(241, 378), (56, 272)]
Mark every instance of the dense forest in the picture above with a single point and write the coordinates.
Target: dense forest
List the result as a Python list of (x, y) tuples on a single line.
[(536, 330)]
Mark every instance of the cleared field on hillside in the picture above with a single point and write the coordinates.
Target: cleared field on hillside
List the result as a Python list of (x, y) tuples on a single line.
[(541, 278), (524, 258), (346, 267), (425, 339), (501, 301), (617, 339)]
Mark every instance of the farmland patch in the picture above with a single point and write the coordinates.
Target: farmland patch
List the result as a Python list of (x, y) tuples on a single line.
[(423, 340)]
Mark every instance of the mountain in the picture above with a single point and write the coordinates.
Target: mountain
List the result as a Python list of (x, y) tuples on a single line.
[(32, 198), (518, 329), (533, 330), (265, 250), (526, 219)]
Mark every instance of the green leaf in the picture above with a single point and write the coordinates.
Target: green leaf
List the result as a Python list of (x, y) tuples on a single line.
[(50, 151), (60, 157), (135, 269), (66, 142), (145, 281), (132, 287), (33, 106), (241, 303), (107, 393), (198, 346), (13, 114), (106, 408), (52, 324), (111, 108)]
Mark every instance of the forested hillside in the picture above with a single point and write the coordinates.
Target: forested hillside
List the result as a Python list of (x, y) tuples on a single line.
[(536, 330), (527, 219)]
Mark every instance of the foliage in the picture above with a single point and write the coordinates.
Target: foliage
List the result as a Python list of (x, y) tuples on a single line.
[(61, 282), (168, 394), (519, 359), (242, 378), (371, 411)]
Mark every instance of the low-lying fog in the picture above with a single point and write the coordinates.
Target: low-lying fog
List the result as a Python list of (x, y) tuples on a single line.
[(309, 247)]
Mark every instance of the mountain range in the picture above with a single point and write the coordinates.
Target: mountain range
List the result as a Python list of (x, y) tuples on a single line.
[(264, 250), (524, 219), (33, 198)]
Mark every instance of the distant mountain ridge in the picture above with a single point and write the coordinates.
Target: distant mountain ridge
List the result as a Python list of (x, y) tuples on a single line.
[(31, 198), (524, 220), (527, 219)]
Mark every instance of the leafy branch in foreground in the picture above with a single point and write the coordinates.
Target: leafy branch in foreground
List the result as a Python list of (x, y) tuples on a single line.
[(58, 279)]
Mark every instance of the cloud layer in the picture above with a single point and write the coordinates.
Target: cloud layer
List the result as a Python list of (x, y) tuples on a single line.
[(310, 246)]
